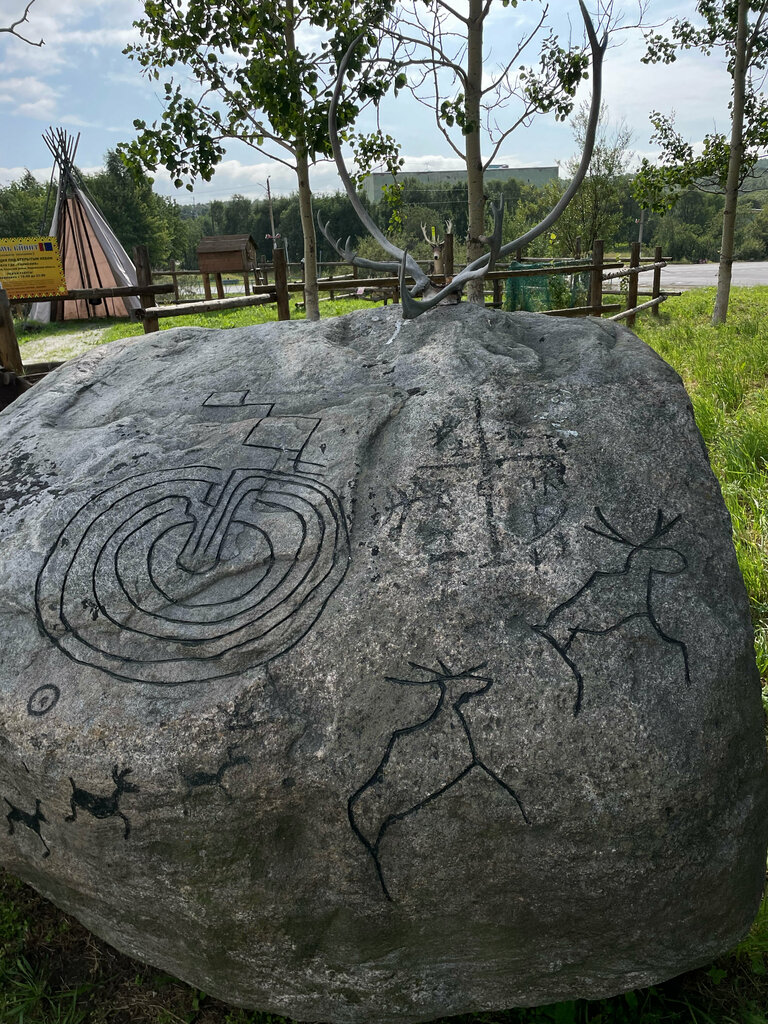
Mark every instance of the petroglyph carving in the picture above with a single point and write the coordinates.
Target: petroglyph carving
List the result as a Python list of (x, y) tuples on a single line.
[(390, 794), (611, 598), (178, 575)]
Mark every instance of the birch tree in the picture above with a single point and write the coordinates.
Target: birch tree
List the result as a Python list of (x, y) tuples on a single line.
[(249, 74), (443, 47), (738, 29)]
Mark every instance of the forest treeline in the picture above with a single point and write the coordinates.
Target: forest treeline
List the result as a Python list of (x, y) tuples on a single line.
[(604, 209)]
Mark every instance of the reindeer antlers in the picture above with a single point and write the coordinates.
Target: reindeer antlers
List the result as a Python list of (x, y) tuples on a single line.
[(405, 264), (346, 253), (611, 533)]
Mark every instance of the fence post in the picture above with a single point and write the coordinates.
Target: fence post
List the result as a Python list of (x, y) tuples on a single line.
[(448, 256), (175, 279), (331, 292), (144, 280), (656, 280), (281, 284), (634, 261), (497, 294), (596, 277), (10, 356)]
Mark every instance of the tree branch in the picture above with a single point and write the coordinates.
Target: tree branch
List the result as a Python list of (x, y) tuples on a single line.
[(11, 29)]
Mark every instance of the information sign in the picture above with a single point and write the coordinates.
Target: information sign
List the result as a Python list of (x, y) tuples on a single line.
[(30, 268)]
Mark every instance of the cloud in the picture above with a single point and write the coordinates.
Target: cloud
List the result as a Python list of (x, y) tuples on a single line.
[(29, 97), (9, 174)]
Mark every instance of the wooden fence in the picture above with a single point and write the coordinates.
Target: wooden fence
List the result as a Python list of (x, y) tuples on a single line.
[(379, 288), (386, 288)]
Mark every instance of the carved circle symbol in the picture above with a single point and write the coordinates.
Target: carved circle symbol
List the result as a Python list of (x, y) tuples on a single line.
[(184, 575), (44, 699)]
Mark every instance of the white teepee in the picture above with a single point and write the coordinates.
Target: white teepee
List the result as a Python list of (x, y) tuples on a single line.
[(91, 254)]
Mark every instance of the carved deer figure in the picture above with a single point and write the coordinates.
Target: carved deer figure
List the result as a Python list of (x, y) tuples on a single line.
[(613, 597), (31, 821), (103, 806), (440, 744), (403, 263)]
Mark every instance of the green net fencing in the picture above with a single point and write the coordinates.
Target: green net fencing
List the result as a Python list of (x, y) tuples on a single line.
[(539, 292)]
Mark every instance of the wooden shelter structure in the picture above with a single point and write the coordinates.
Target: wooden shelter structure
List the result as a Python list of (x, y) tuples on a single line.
[(91, 255), (218, 254)]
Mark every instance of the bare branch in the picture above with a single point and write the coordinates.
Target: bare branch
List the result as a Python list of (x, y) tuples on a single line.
[(13, 26), (459, 17), (753, 39), (522, 46), (408, 263), (480, 267)]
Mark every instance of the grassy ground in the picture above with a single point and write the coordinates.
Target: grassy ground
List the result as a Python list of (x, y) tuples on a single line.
[(63, 340), (52, 971)]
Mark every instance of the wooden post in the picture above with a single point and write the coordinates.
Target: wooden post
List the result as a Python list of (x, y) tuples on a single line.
[(10, 355), (331, 292), (281, 284), (656, 292), (144, 280), (498, 298), (207, 286), (577, 248), (175, 279), (219, 286), (596, 276), (247, 283), (448, 255), (634, 261)]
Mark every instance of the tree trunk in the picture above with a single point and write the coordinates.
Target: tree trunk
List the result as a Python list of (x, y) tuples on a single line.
[(720, 312), (311, 299), (473, 156)]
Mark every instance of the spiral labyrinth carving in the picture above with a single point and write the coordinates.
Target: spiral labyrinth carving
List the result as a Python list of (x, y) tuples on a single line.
[(184, 575)]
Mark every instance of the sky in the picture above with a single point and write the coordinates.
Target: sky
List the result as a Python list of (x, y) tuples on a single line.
[(80, 80)]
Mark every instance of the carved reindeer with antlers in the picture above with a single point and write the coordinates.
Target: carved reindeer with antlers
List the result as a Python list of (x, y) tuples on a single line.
[(403, 263)]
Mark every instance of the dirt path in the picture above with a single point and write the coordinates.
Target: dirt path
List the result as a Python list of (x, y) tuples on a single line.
[(60, 346)]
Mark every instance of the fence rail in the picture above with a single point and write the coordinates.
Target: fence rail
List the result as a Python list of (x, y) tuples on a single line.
[(278, 292)]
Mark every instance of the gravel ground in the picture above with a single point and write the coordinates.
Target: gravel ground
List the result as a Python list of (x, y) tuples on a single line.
[(60, 346)]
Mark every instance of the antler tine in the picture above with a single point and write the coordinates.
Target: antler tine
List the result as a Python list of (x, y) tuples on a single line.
[(661, 527), (348, 254), (598, 50), (421, 279), (412, 308), (427, 239)]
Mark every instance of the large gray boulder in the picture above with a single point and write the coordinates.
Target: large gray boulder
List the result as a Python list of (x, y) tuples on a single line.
[(374, 671)]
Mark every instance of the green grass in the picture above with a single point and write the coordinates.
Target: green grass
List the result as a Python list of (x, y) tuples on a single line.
[(725, 370), (58, 341), (53, 971)]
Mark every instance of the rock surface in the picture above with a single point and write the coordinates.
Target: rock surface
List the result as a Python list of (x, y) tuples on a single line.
[(375, 671)]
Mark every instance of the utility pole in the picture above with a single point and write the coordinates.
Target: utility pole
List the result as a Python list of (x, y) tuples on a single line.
[(271, 214)]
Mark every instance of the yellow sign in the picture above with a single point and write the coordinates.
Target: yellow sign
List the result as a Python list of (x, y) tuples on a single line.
[(30, 268)]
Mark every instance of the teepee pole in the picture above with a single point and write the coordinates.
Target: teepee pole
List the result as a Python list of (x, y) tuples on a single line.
[(10, 354)]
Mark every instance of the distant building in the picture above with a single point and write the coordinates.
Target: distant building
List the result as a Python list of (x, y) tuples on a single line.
[(496, 172)]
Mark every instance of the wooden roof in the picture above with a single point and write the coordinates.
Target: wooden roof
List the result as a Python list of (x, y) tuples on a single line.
[(226, 243)]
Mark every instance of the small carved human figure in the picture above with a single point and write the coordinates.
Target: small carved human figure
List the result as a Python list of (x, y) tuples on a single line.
[(103, 806), (31, 821)]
